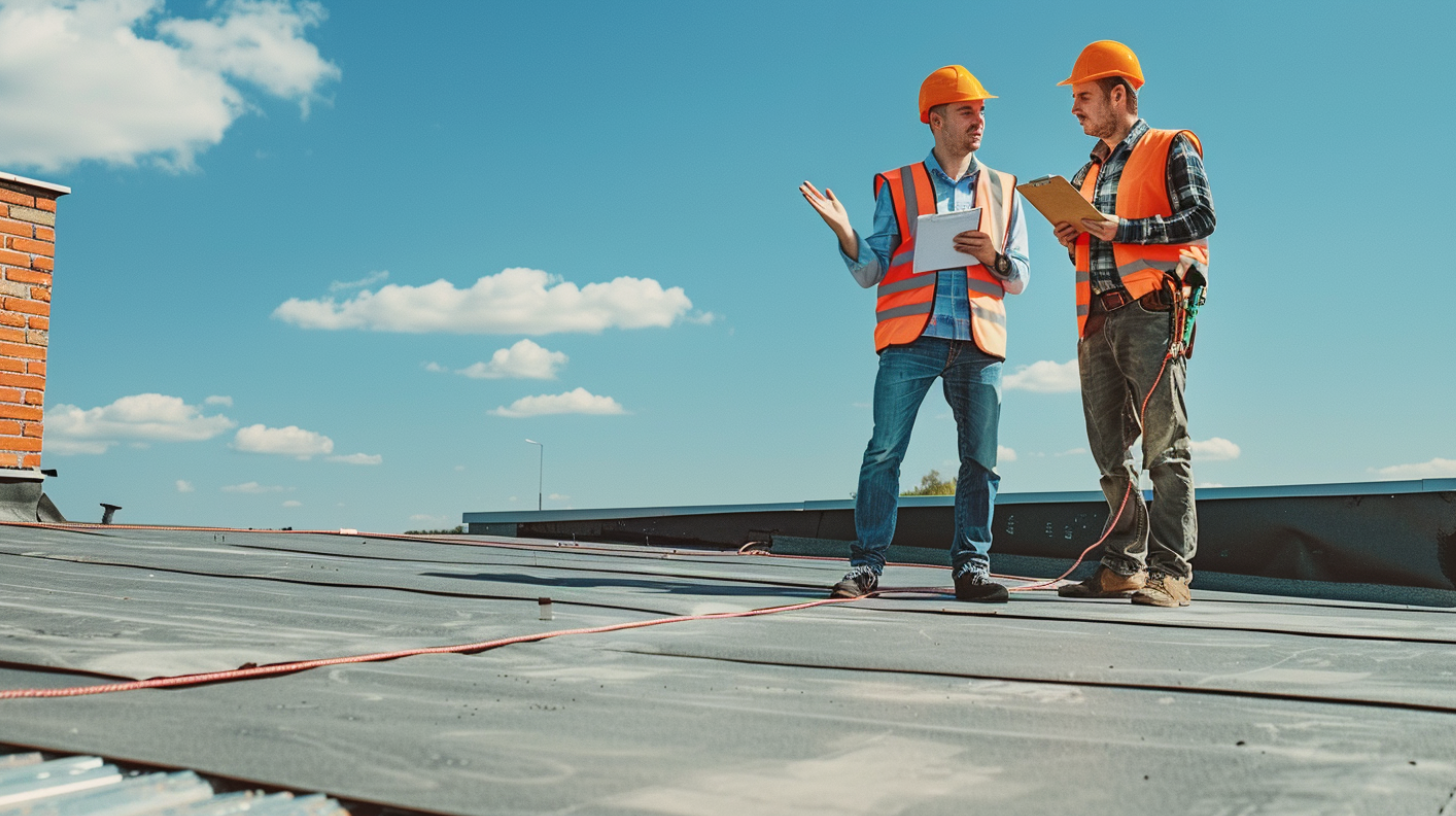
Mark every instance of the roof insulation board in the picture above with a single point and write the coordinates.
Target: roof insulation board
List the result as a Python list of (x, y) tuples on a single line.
[(911, 703)]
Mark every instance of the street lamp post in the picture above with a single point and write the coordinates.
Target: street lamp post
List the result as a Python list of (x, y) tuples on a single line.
[(540, 472)]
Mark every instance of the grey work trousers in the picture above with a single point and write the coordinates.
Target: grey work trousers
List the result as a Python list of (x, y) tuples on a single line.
[(1118, 365)]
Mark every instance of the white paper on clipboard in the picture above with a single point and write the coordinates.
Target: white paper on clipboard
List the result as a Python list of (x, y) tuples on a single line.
[(935, 240)]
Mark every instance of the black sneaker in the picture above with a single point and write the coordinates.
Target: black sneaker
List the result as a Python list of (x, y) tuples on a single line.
[(855, 585), (977, 588)]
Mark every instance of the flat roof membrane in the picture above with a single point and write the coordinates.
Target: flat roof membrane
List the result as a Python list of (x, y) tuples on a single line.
[(1240, 703)]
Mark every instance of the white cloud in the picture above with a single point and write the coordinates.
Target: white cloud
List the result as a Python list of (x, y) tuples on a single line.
[(1071, 452), (216, 400), (435, 368), (253, 488), (95, 85), (289, 441), (359, 459), (515, 301), (1044, 377), (69, 447), (368, 280), (260, 42), (524, 360), (293, 503), (1437, 468), (427, 517), (184, 486), (578, 401), (557, 497), (144, 417), (1005, 454), (1216, 449)]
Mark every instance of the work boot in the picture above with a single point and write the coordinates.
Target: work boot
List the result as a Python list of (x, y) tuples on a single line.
[(1164, 590), (1104, 583), (855, 585), (976, 587)]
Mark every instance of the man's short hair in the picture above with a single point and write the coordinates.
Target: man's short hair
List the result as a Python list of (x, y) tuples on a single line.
[(939, 110), (1108, 83)]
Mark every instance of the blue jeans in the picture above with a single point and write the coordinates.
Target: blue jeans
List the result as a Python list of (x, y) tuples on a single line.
[(972, 384)]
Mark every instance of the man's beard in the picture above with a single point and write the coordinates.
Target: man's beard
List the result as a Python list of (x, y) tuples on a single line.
[(969, 142), (1101, 129)]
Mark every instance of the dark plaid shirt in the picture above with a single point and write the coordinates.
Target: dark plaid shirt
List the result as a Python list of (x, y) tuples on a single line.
[(1188, 191)]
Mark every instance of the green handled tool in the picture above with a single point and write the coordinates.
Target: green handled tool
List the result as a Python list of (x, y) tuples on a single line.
[(1196, 299)]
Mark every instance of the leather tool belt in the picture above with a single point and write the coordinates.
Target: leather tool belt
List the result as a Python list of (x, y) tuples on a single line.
[(1154, 301)]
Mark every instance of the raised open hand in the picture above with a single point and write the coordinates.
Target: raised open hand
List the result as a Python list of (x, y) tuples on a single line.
[(832, 211)]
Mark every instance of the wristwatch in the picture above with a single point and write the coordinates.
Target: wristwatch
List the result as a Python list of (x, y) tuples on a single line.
[(1002, 265)]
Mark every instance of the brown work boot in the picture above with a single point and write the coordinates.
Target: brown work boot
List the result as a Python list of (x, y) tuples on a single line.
[(855, 585), (1164, 590), (1104, 583)]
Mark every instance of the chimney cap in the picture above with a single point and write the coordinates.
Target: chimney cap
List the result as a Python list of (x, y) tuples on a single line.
[(58, 189)]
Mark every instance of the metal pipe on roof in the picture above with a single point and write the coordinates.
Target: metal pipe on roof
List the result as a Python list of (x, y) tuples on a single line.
[(540, 473)]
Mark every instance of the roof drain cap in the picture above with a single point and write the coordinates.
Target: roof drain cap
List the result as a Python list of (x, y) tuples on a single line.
[(107, 511)]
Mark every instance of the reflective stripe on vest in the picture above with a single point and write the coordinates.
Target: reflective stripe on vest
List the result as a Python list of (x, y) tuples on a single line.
[(905, 300), (1142, 192)]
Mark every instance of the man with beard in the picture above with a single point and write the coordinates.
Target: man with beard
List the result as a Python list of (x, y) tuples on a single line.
[(949, 323), (1134, 267)]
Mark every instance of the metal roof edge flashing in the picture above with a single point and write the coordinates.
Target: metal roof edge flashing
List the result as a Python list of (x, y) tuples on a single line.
[(1331, 489), (58, 189), (624, 512), (1047, 497)]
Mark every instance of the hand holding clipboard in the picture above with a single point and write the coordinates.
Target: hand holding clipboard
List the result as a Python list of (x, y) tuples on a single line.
[(1056, 199)]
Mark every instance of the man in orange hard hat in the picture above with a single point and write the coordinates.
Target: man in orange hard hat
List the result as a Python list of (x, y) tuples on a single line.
[(947, 323), (1135, 266)]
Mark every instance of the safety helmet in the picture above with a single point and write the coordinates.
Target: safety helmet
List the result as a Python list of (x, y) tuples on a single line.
[(1106, 58), (953, 83)]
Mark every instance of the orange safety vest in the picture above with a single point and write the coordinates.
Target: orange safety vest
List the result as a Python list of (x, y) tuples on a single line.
[(906, 299), (1142, 191)]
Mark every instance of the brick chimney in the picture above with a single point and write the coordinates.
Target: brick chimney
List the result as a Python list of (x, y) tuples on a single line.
[(27, 261)]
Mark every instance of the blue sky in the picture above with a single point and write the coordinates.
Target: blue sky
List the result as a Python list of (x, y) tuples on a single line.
[(237, 208)]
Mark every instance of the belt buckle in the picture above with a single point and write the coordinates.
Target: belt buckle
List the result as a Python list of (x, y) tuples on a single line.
[(1114, 300)]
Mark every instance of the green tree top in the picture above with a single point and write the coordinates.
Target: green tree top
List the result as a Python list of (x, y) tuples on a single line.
[(931, 485)]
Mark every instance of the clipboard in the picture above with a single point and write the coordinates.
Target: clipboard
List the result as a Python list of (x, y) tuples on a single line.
[(935, 240), (1056, 199)]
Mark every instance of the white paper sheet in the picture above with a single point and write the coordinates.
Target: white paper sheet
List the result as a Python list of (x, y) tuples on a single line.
[(935, 240)]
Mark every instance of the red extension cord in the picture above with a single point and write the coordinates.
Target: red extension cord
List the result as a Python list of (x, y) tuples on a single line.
[(176, 681)]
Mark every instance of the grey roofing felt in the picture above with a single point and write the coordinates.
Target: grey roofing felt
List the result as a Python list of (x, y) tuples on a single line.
[(1239, 704)]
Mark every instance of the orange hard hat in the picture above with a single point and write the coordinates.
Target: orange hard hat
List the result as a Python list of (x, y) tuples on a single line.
[(953, 83), (1106, 58)]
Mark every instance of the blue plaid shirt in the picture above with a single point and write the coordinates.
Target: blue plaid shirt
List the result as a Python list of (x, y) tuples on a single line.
[(951, 316), (1188, 192)]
